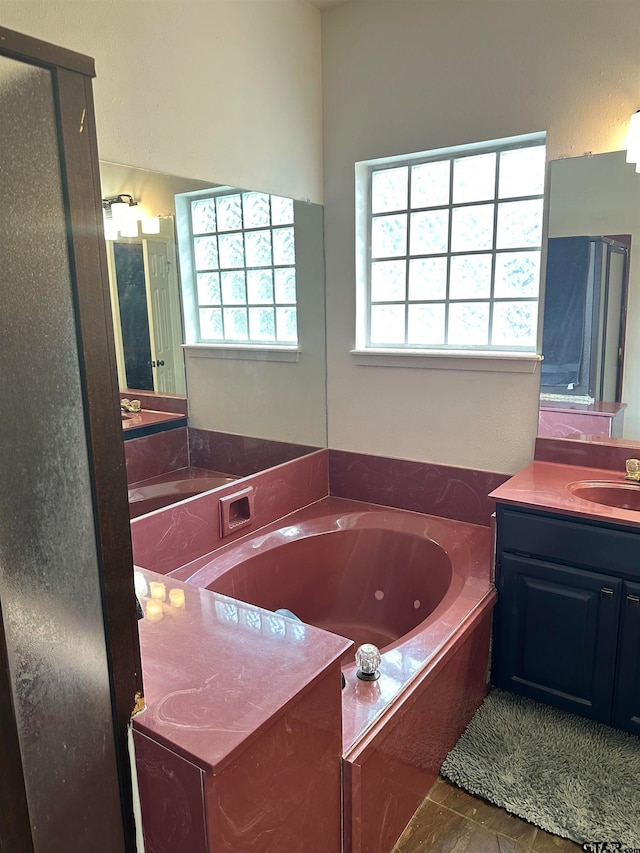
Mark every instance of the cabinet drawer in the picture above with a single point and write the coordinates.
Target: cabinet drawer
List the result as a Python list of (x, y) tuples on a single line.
[(572, 542)]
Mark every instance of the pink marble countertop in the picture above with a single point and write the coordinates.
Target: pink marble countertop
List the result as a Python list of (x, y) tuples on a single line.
[(217, 672), (545, 486), (157, 402), (187, 474), (148, 417)]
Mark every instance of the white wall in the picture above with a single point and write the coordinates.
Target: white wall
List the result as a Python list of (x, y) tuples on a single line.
[(279, 400), (597, 196), (420, 74), (227, 91)]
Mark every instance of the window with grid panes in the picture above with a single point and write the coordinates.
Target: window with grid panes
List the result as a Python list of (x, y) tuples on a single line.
[(244, 266), (453, 248)]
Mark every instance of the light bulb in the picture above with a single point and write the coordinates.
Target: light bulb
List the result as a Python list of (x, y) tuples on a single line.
[(120, 212), (129, 228), (151, 225), (633, 140)]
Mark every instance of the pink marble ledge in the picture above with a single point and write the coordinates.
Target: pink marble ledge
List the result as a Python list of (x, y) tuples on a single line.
[(545, 485), (598, 408), (218, 672), (156, 401), (148, 417)]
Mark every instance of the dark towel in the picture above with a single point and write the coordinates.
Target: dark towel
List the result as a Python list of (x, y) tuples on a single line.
[(564, 309)]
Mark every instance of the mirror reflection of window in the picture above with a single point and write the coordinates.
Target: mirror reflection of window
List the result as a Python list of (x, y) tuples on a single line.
[(243, 253)]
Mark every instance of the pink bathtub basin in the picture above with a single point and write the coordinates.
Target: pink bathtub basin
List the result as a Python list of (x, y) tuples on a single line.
[(369, 584), (401, 580)]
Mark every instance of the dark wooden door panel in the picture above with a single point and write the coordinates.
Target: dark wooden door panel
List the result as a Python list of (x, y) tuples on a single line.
[(557, 639)]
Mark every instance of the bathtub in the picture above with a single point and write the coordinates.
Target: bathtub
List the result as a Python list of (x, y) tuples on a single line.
[(416, 586), (157, 492)]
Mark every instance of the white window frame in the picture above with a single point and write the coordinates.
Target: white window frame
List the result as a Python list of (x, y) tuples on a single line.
[(443, 356), (194, 346)]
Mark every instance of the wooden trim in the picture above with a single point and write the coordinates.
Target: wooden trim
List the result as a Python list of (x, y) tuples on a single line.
[(15, 826), (625, 239), (37, 52), (96, 353)]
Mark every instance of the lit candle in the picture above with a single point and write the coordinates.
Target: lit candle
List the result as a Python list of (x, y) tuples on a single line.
[(154, 610), (176, 597), (158, 590)]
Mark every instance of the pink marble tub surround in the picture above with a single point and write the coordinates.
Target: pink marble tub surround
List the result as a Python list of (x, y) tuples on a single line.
[(153, 455), (562, 419), (157, 492), (391, 755), (251, 700), (443, 490), (169, 538), (390, 770), (546, 485), (240, 454), (610, 453)]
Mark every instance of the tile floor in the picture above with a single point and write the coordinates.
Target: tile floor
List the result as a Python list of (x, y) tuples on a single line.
[(452, 821)]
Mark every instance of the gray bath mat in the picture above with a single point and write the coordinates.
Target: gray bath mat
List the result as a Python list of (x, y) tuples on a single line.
[(565, 774)]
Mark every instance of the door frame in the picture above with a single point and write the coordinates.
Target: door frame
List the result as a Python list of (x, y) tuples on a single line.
[(73, 100)]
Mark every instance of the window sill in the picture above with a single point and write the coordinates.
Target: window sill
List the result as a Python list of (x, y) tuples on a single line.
[(243, 352), (499, 362)]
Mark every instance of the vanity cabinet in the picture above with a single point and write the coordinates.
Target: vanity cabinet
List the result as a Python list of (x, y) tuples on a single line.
[(567, 622)]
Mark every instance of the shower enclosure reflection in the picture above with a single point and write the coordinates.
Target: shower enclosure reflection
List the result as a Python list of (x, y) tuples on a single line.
[(592, 285)]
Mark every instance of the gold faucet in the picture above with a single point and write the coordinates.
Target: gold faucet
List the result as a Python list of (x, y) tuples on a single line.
[(134, 406), (633, 470)]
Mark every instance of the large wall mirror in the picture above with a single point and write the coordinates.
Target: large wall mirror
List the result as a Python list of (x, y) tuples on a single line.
[(252, 391), (591, 345)]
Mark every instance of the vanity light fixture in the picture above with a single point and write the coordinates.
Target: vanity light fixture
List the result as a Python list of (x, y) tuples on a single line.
[(120, 206), (633, 141), (122, 213)]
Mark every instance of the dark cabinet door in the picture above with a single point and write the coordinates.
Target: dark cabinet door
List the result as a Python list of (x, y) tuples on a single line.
[(557, 632), (626, 709)]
